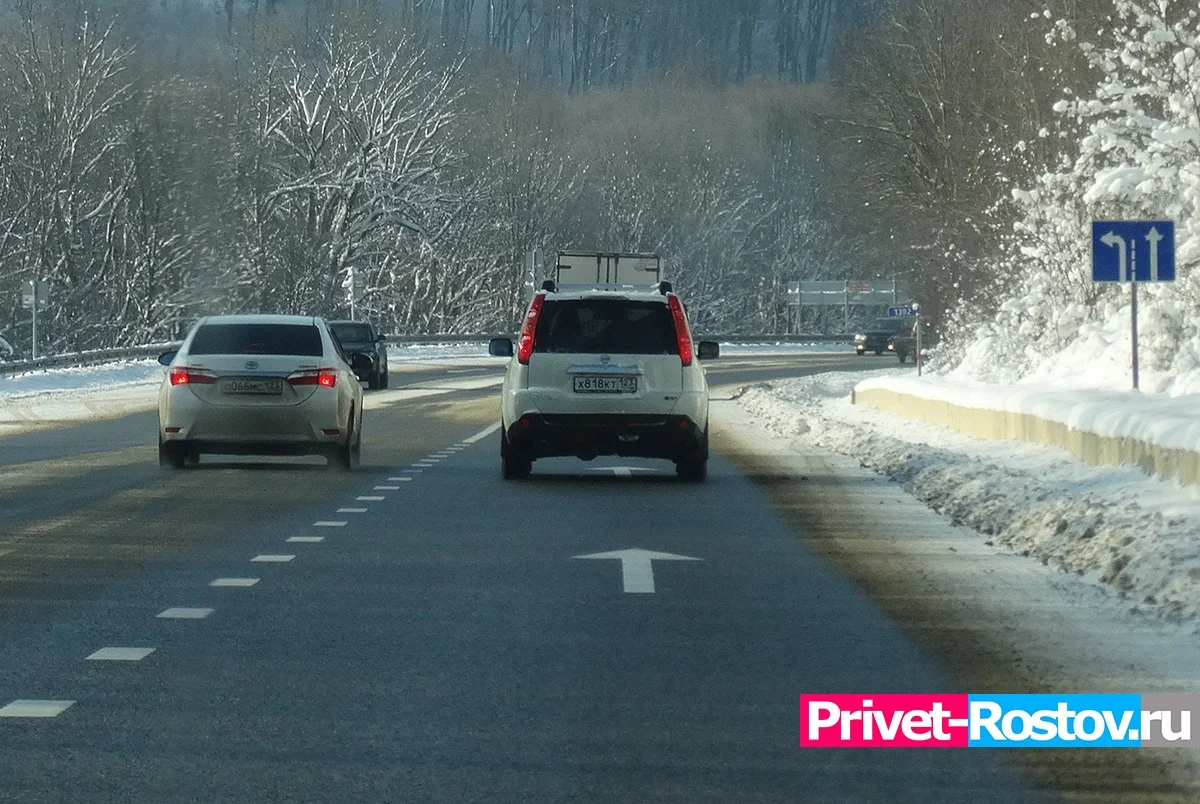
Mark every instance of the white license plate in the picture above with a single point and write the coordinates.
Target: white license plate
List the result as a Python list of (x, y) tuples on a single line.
[(263, 386), (606, 385)]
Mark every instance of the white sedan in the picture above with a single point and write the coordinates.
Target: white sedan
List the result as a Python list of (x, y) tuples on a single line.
[(260, 385)]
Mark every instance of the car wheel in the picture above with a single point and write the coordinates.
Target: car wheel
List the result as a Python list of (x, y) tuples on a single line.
[(373, 380), (693, 470), (383, 381), (902, 356), (514, 464), (171, 455), (347, 457), (878, 352), (860, 352)]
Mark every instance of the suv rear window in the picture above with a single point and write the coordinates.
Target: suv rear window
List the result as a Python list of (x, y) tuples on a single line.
[(257, 339), (352, 333), (613, 326)]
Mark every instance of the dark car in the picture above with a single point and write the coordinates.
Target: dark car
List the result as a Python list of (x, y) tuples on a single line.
[(877, 336), (361, 336)]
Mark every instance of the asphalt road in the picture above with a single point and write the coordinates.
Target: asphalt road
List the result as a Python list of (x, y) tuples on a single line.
[(422, 631)]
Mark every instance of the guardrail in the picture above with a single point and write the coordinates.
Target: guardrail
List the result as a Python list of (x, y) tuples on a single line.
[(97, 356)]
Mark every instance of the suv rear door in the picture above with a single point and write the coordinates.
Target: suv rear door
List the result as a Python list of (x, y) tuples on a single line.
[(608, 354)]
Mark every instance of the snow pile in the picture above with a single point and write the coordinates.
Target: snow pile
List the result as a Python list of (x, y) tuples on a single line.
[(1138, 134), (1111, 524)]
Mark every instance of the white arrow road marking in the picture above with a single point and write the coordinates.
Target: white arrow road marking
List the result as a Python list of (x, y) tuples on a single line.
[(482, 434), (1114, 240), (637, 573)]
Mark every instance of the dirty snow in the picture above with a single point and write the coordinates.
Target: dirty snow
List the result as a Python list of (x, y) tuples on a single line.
[(1113, 525)]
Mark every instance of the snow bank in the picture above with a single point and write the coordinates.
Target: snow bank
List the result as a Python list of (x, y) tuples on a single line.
[(1113, 525)]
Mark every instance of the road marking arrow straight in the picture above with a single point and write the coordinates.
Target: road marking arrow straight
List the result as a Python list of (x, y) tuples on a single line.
[(637, 571)]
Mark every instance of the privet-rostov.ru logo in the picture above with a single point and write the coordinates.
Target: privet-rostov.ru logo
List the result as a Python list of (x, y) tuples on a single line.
[(998, 721)]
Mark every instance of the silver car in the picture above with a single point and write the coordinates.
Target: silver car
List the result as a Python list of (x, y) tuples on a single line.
[(260, 385)]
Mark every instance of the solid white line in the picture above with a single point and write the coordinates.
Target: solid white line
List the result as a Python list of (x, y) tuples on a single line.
[(30, 708), (185, 614), (352, 510), (369, 499), (329, 523), (120, 654), (240, 583), (482, 434), (386, 488), (307, 539), (272, 559)]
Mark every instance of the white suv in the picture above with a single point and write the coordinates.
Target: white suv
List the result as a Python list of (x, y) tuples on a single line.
[(604, 371)]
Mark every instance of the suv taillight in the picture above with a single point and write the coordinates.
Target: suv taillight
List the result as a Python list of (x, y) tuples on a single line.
[(525, 344), (682, 334), (325, 377), (182, 375)]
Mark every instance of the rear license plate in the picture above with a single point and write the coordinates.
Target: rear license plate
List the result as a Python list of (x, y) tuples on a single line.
[(606, 385), (263, 386)]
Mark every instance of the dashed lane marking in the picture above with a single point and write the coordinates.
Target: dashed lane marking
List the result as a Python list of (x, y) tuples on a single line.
[(307, 539), (272, 559), (240, 583), (181, 613), (415, 471), (387, 488), (329, 523), (482, 434), (120, 654), (352, 510), (369, 499), (32, 708), (399, 479)]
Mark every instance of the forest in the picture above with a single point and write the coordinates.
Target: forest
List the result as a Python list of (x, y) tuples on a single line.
[(164, 159)]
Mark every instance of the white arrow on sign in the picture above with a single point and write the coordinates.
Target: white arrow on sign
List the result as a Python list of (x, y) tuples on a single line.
[(1114, 240), (1154, 237), (636, 570)]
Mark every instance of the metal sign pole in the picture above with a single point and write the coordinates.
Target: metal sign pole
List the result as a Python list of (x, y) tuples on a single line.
[(1134, 328), (34, 338), (920, 367)]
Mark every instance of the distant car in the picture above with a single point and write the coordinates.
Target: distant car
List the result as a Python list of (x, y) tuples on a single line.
[(362, 337), (605, 372), (260, 385), (904, 342), (876, 335)]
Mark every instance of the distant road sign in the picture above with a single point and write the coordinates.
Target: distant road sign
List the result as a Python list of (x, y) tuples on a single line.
[(901, 312), (39, 291), (1125, 250)]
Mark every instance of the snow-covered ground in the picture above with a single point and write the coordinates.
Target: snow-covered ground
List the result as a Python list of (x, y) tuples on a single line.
[(1112, 525)]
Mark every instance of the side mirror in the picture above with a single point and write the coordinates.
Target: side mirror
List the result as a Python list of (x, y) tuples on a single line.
[(500, 347), (362, 364), (166, 357), (380, 338), (708, 350)]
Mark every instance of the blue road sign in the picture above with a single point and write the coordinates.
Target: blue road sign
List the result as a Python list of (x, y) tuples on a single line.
[(1122, 250), (901, 312)]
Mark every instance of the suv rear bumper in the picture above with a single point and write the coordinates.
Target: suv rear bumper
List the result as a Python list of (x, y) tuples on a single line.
[(586, 435)]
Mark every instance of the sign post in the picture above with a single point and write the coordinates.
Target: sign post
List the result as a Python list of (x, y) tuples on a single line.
[(35, 295), (1116, 247), (793, 307)]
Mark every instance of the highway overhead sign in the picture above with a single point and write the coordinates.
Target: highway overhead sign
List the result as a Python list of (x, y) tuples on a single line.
[(1124, 251)]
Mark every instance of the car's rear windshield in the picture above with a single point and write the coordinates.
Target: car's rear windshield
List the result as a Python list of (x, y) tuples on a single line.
[(257, 339), (615, 326), (889, 324), (352, 333)]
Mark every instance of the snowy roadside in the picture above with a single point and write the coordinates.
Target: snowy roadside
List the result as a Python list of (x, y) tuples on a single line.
[(1112, 525)]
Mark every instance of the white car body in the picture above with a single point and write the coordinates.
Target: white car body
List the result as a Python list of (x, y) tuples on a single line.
[(565, 402), (231, 391)]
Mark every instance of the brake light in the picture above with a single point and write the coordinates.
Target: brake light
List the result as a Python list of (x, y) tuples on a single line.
[(182, 375), (682, 334), (325, 377), (525, 344)]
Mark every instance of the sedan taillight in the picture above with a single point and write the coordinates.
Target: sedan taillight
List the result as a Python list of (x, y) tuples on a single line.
[(325, 377), (182, 375)]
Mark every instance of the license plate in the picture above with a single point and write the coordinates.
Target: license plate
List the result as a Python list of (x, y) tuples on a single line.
[(606, 385), (263, 386)]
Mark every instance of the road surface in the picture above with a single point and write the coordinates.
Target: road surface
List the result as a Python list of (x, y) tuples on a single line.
[(424, 631)]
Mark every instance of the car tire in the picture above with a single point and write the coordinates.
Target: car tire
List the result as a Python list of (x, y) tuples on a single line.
[(860, 352), (514, 464), (347, 457), (384, 380), (878, 352), (172, 455), (694, 470), (902, 356), (373, 380)]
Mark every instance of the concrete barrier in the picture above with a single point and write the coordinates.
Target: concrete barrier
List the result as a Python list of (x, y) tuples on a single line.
[(995, 425)]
